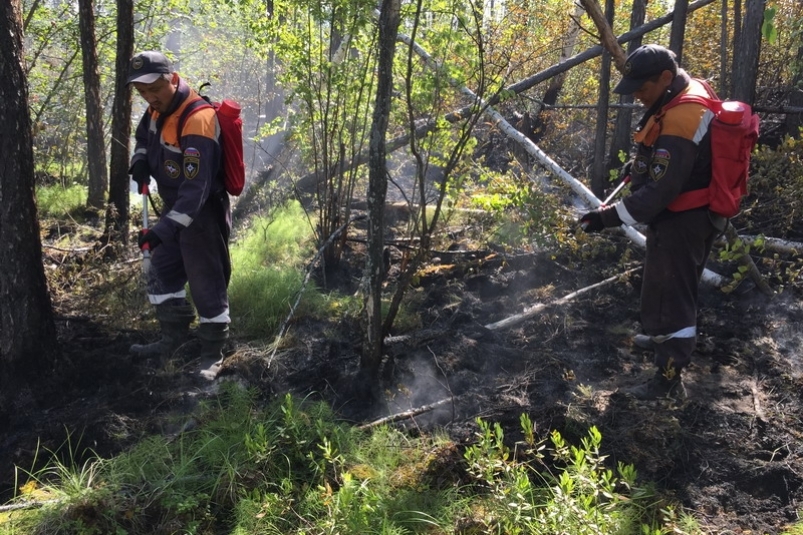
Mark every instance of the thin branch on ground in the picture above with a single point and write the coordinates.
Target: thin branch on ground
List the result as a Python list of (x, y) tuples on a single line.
[(406, 414), (310, 267), (535, 309)]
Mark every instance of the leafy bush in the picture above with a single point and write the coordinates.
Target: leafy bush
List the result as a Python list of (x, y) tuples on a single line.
[(775, 200), (289, 467)]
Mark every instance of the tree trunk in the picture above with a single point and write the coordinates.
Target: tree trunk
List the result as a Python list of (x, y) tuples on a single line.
[(606, 36), (27, 330), (389, 20), (724, 45), (748, 48), (598, 177), (118, 212), (679, 29), (96, 145), (737, 36), (620, 140), (794, 121)]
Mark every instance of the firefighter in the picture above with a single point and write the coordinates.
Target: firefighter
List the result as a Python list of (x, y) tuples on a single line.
[(673, 155), (189, 243)]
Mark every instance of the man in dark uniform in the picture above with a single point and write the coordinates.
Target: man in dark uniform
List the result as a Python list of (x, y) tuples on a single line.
[(189, 243), (673, 156)]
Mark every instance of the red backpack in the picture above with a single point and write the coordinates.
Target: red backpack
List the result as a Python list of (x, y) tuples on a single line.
[(231, 138), (734, 132)]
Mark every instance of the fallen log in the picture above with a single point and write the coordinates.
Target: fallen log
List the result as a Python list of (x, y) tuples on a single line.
[(406, 414), (535, 309)]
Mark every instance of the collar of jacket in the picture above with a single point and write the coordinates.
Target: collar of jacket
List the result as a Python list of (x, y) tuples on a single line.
[(182, 93), (679, 83)]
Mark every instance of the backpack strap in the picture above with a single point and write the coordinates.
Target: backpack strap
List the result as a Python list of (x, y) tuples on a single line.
[(695, 198)]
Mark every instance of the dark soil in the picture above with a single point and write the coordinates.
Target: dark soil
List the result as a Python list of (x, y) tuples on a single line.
[(732, 453)]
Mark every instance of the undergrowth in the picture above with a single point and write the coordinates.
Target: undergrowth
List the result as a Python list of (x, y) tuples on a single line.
[(289, 467)]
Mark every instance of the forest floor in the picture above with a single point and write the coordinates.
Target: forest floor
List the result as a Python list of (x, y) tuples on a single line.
[(732, 454)]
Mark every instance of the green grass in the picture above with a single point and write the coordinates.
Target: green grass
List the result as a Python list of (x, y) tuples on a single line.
[(58, 201), (268, 264), (289, 467)]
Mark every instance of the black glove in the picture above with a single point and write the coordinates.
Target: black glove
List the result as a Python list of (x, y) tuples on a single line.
[(592, 222), (626, 168), (148, 241), (141, 174)]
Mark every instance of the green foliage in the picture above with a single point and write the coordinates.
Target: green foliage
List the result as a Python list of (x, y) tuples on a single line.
[(521, 212), (776, 187), (582, 497), (58, 201), (267, 271), (768, 29), (288, 467)]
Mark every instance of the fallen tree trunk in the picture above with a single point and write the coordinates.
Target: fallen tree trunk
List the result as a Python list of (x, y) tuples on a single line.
[(537, 308)]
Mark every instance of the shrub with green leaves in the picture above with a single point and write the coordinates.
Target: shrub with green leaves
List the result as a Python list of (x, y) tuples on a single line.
[(290, 467), (775, 199)]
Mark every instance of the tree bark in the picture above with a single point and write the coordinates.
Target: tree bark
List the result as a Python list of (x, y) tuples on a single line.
[(748, 49), (620, 140), (96, 144), (117, 216), (794, 121), (389, 20), (724, 44), (606, 36), (27, 329), (598, 178), (679, 29)]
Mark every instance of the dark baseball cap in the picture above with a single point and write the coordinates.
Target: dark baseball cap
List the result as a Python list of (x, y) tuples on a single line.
[(642, 64), (147, 67)]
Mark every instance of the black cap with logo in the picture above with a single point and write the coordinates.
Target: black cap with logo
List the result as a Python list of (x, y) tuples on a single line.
[(147, 67), (642, 64)]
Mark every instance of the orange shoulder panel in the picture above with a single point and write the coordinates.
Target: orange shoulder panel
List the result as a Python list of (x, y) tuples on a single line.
[(683, 120), (201, 123)]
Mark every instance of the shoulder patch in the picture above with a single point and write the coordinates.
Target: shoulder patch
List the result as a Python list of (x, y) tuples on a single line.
[(192, 165), (172, 169), (659, 164), (640, 165)]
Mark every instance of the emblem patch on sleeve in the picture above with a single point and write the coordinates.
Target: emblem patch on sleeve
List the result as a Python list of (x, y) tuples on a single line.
[(640, 165), (172, 169), (192, 162), (659, 164)]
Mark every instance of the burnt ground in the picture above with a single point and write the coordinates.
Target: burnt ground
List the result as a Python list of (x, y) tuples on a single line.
[(732, 453)]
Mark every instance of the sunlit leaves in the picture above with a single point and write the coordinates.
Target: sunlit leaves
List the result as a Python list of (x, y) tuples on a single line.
[(768, 29)]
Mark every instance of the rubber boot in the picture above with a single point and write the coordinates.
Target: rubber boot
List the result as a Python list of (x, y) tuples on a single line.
[(213, 338), (644, 341), (174, 318), (666, 383)]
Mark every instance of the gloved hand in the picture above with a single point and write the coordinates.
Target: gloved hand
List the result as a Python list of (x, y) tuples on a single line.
[(141, 174), (147, 240), (626, 169), (592, 222)]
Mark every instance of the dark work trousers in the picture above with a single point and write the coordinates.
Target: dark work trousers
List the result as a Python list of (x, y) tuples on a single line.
[(199, 257), (677, 249)]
